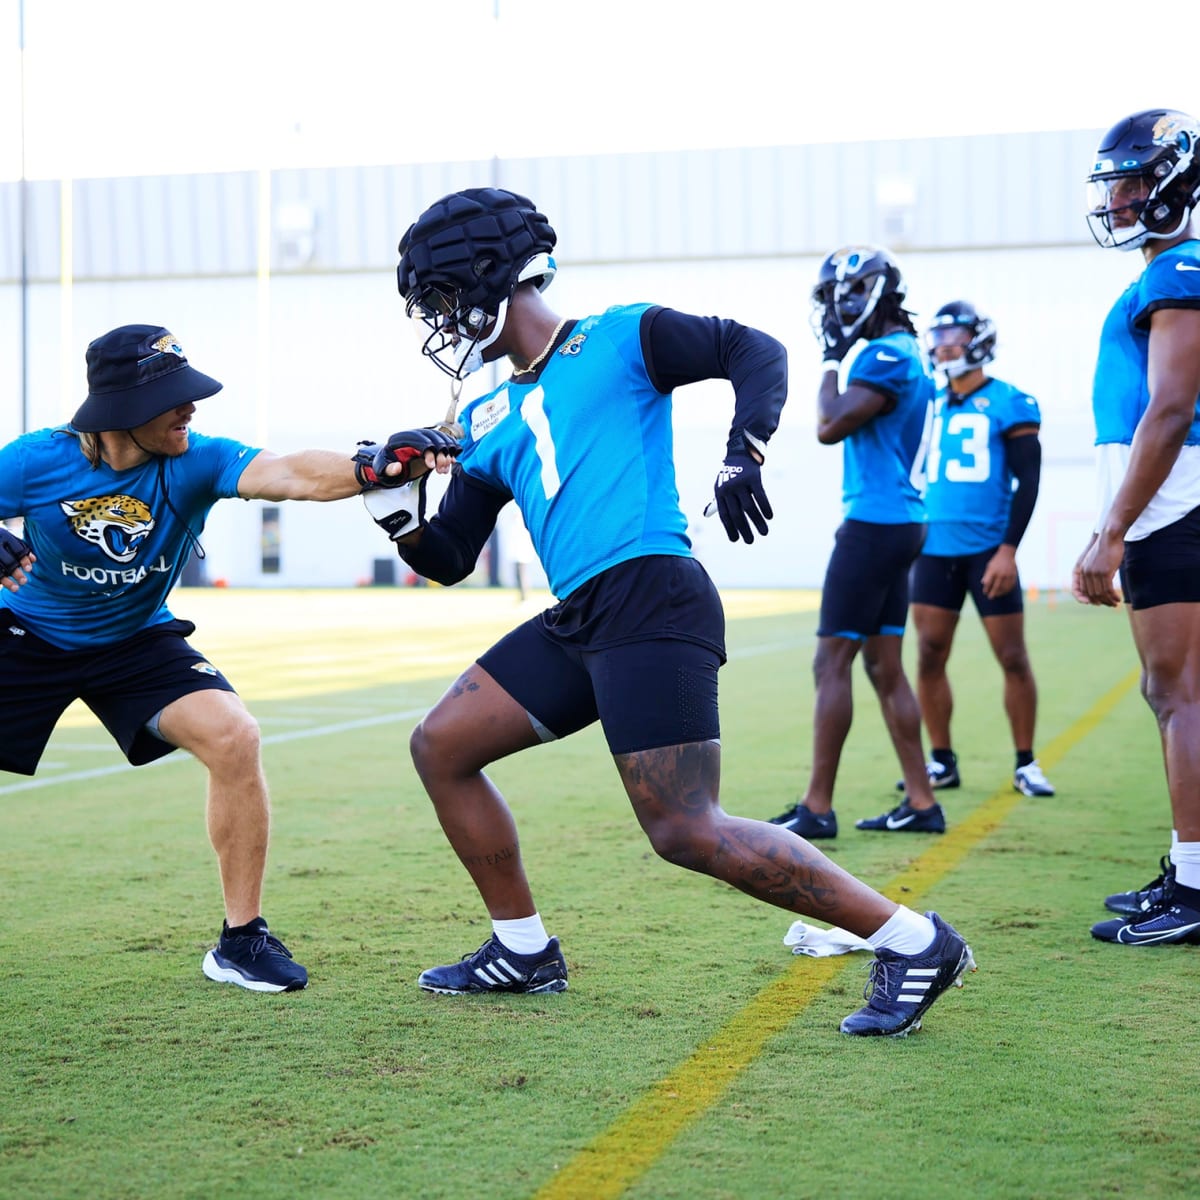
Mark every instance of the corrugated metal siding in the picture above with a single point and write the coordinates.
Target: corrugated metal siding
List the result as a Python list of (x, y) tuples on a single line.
[(1005, 190)]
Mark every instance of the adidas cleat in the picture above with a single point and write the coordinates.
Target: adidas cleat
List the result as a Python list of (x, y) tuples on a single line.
[(906, 819), (901, 987), (495, 968), (801, 820)]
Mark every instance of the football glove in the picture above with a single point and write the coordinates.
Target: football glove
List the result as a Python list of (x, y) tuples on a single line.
[(407, 447), (364, 465), (398, 511), (739, 493), (834, 343), (13, 551)]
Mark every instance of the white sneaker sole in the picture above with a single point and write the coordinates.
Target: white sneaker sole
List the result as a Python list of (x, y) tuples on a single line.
[(219, 974)]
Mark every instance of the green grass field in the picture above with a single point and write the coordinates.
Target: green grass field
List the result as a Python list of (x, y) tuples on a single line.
[(693, 1056)]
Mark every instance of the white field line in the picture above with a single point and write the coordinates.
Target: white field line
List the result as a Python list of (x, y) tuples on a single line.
[(271, 740), (310, 732)]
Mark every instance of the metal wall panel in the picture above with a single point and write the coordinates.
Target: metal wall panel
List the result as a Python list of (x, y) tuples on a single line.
[(1003, 190)]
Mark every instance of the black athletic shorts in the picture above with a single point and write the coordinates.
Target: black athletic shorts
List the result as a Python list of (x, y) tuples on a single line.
[(638, 647), (943, 581), (1164, 567), (124, 684), (866, 583)]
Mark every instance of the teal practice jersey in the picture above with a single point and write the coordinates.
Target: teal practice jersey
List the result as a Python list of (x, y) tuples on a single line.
[(586, 450), (110, 545), (883, 460), (969, 485), (1120, 394)]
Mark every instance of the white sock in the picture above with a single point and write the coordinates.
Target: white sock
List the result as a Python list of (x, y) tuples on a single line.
[(905, 932), (526, 935), (1186, 857)]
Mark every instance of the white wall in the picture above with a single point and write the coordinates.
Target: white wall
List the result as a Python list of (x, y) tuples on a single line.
[(338, 362)]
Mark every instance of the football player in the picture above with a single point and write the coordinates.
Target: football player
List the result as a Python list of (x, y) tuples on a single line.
[(113, 504), (579, 437), (882, 421), (1143, 190), (984, 443)]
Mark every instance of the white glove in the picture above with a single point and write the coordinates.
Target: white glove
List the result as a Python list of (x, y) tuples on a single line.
[(398, 511)]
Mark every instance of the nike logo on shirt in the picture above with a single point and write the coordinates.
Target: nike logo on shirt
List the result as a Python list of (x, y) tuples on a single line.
[(1186, 267), (892, 358)]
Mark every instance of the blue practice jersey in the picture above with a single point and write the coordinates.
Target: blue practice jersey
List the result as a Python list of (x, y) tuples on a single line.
[(586, 450), (109, 547), (969, 484), (882, 460), (1120, 394)]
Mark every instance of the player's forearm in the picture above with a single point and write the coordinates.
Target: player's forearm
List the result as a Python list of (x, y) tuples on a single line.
[(304, 475)]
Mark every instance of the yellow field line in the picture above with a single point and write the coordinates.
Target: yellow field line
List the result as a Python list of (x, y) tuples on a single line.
[(616, 1158)]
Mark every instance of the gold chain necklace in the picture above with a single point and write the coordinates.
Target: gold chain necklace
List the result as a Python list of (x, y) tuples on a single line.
[(533, 366)]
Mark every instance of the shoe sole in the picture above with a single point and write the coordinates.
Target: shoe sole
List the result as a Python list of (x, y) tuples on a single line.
[(1031, 791), (966, 963), (555, 985), (1190, 938), (897, 829), (219, 974)]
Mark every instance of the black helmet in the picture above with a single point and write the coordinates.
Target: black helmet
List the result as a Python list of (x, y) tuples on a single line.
[(460, 263), (978, 351), (1146, 174), (851, 283)]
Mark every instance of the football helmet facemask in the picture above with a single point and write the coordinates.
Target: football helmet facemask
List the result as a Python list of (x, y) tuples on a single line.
[(460, 263), (1145, 180), (851, 283), (947, 329)]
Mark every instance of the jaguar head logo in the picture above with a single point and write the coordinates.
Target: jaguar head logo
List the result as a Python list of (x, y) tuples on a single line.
[(117, 524)]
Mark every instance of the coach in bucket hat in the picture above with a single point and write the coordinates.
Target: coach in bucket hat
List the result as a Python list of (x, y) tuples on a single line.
[(86, 595), (136, 373)]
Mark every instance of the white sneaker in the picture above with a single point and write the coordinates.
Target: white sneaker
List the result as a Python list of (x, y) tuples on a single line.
[(1030, 781)]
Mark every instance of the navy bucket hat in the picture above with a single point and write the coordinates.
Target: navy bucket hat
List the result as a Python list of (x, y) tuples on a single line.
[(136, 373)]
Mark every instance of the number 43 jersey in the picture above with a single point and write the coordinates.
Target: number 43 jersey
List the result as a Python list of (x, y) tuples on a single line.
[(969, 485)]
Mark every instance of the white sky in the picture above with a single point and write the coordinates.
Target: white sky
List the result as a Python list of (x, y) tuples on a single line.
[(134, 87)]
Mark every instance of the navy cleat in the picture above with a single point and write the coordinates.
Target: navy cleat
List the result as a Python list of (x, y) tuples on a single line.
[(940, 776), (256, 960), (906, 819), (1137, 904), (495, 968), (901, 987), (1029, 781), (801, 820), (1166, 924)]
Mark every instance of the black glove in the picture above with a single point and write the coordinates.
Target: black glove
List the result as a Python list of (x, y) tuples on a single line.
[(398, 511), (739, 492), (12, 552), (403, 448), (835, 345), (364, 465)]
